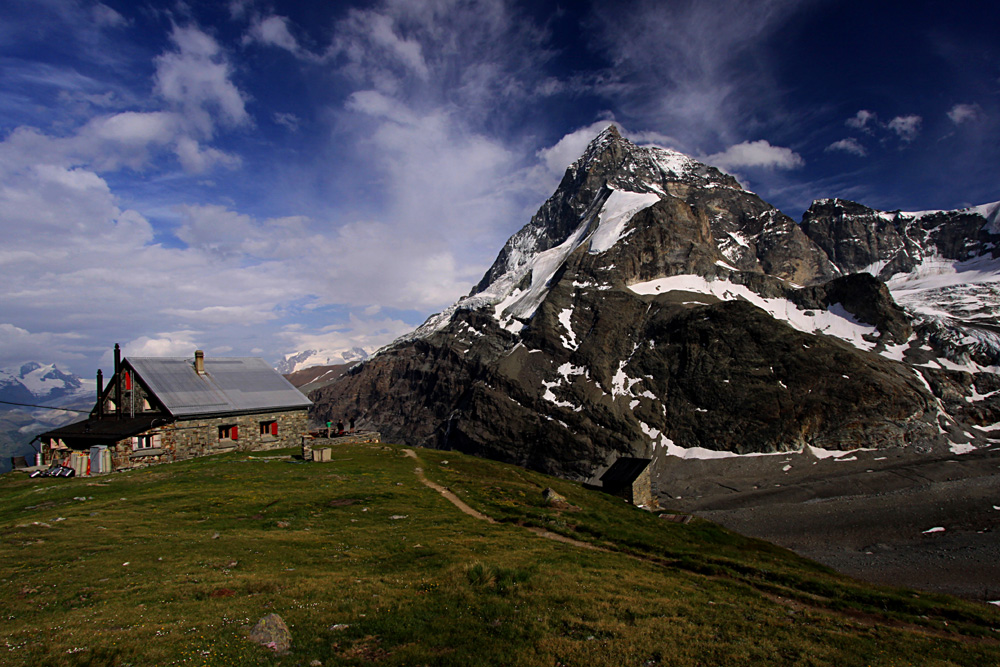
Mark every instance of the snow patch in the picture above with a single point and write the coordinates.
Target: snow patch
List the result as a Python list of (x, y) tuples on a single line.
[(620, 207), (835, 321), (566, 319)]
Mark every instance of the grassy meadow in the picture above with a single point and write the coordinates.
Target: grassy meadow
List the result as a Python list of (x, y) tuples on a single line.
[(172, 564)]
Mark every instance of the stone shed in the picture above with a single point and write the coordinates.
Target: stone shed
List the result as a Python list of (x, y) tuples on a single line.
[(629, 478)]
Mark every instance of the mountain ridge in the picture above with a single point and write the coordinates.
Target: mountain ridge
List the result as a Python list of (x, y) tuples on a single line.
[(585, 340)]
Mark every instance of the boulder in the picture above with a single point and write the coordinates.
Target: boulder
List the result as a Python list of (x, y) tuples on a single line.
[(271, 632)]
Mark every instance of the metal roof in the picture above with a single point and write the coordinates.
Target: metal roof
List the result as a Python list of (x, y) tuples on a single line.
[(624, 471), (229, 384)]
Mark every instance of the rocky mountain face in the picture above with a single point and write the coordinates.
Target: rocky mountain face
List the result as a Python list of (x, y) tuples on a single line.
[(653, 307)]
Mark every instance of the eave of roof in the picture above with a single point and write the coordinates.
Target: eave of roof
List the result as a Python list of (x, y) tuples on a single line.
[(107, 429)]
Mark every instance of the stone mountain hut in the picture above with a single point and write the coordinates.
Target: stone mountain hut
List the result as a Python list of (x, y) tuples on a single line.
[(158, 409)]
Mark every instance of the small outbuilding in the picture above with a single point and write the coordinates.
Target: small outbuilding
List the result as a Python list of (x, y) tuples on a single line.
[(629, 478), (158, 409)]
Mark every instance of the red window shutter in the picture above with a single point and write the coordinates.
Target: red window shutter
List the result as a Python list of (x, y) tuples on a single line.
[(128, 381), (235, 433), (274, 428)]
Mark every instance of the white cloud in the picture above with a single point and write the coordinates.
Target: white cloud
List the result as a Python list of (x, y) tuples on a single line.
[(18, 345), (168, 344), (906, 127), (756, 154), (560, 156), (195, 79), (369, 334), (196, 159), (849, 145), (273, 31), (289, 120), (965, 113), (863, 120)]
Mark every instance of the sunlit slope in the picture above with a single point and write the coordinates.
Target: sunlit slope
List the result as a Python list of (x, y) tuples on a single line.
[(368, 565)]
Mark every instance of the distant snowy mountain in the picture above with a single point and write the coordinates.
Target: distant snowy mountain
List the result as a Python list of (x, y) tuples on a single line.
[(301, 360), (37, 383)]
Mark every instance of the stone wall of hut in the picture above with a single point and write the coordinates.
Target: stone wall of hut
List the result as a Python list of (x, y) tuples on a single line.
[(201, 437)]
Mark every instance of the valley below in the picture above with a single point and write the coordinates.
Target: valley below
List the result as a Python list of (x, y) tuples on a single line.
[(899, 517)]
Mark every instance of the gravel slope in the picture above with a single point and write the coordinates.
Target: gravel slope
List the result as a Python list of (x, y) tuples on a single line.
[(877, 517)]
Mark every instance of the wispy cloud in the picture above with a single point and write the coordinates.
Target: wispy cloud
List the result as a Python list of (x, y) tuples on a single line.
[(864, 120), (965, 113), (272, 31), (906, 127), (195, 78), (848, 145), (693, 68)]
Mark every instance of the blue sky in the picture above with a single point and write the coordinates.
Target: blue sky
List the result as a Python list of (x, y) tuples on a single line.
[(258, 178)]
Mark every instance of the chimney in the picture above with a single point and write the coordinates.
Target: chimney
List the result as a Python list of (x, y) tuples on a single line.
[(100, 391), (118, 382), (199, 362)]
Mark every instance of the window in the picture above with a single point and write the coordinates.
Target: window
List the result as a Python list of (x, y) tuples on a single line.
[(269, 428), (229, 432), (128, 381), (145, 441)]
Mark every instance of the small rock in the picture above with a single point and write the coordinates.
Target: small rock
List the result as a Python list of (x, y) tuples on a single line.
[(339, 626), (283, 524), (316, 663), (272, 632), (398, 516), (552, 497)]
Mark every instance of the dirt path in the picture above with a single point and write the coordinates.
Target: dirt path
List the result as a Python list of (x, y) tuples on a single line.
[(452, 498), (460, 504)]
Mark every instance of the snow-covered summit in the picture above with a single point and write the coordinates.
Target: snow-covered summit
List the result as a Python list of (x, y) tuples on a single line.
[(36, 382), (297, 361), (599, 195)]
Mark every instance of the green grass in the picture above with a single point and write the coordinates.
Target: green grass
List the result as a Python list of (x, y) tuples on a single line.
[(173, 564)]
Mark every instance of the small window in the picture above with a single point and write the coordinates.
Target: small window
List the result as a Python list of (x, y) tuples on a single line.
[(229, 432), (146, 407), (145, 441), (269, 428)]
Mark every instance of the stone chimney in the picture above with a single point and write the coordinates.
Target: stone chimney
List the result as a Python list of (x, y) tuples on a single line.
[(199, 362)]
